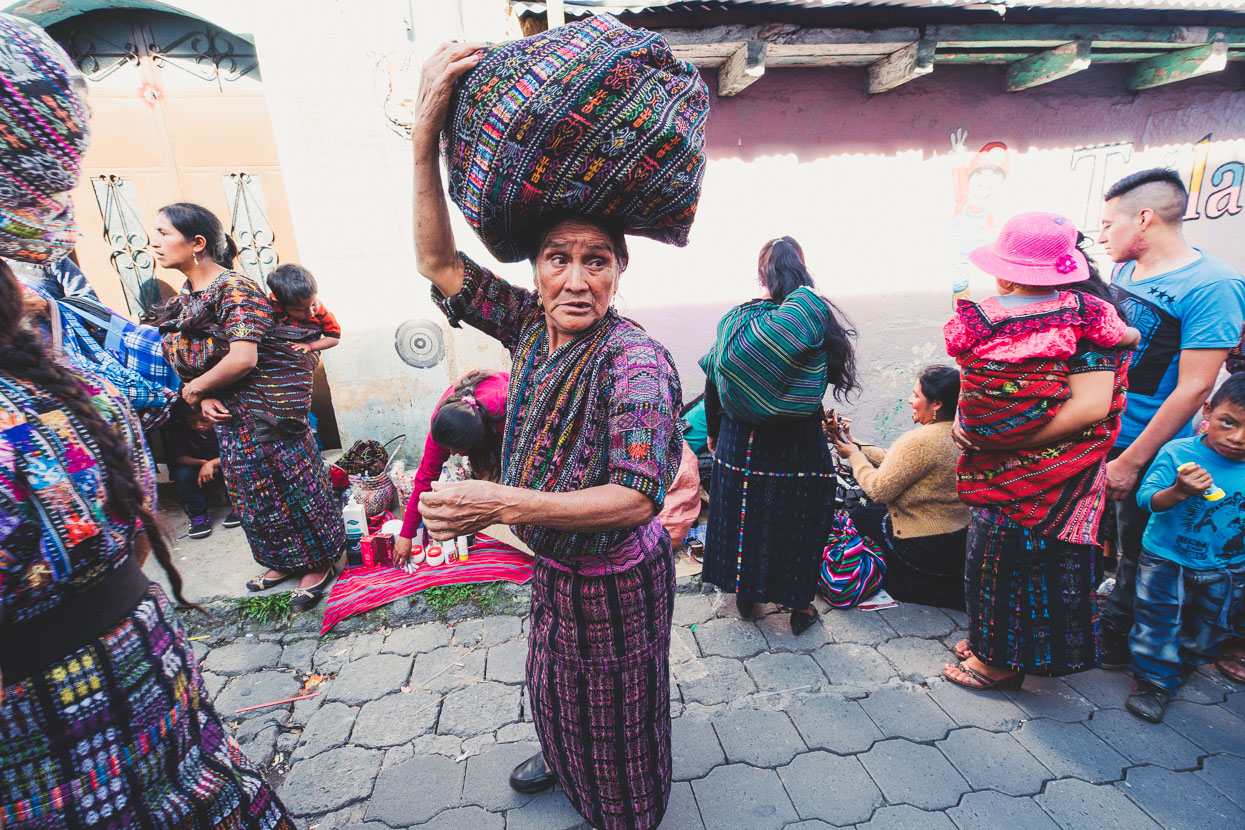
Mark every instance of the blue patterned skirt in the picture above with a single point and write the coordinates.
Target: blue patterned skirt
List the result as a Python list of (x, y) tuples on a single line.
[(281, 493), (120, 734), (1031, 598), (770, 510)]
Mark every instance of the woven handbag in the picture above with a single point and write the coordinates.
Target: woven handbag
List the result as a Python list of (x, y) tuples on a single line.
[(371, 484), (593, 118)]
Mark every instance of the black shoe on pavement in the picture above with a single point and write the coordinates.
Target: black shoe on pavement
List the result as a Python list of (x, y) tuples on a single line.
[(1147, 701), (231, 520), (802, 621), (532, 775), (200, 526), (1115, 655), (745, 607)]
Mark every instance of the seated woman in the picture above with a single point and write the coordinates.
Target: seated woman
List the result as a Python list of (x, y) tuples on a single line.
[(918, 522), (468, 421)]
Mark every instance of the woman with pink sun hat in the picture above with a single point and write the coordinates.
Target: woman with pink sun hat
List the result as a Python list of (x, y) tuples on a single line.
[(1043, 366)]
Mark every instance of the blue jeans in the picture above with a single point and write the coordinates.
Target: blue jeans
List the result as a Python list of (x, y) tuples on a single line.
[(1181, 617)]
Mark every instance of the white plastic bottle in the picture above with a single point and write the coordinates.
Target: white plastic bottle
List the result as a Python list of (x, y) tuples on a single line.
[(355, 519)]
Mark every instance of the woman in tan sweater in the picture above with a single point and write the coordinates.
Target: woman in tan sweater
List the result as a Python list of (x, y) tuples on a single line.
[(918, 521)]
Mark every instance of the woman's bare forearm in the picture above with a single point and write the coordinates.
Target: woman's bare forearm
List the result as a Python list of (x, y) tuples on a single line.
[(605, 507)]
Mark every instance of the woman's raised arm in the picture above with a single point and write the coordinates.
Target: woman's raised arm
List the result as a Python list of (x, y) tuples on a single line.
[(436, 255)]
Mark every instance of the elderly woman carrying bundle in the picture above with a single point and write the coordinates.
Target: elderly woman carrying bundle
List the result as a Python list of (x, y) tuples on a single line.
[(591, 439)]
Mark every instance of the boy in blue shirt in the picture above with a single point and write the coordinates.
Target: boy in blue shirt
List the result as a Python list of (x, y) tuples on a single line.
[(1191, 572)]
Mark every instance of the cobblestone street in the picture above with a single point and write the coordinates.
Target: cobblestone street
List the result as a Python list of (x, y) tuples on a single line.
[(848, 725)]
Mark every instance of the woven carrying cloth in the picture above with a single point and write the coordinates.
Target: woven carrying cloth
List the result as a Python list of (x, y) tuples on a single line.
[(44, 131), (593, 118)]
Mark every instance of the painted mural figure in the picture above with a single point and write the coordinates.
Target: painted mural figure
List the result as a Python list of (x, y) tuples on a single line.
[(978, 180)]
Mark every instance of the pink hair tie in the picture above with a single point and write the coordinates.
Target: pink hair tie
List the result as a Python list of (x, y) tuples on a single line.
[(471, 401)]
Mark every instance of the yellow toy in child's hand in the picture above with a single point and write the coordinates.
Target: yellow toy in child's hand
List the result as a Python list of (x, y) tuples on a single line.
[(1214, 493)]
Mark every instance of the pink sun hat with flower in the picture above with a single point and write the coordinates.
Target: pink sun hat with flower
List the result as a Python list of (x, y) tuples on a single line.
[(1034, 249)]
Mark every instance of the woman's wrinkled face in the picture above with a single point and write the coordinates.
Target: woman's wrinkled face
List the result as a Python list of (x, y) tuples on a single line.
[(924, 411), (170, 248), (577, 275)]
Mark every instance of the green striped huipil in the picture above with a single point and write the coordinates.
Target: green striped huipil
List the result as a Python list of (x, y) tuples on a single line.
[(769, 360)]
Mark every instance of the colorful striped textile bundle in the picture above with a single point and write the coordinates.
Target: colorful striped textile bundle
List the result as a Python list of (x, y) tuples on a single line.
[(593, 118), (769, 359), (851, 568), (45, 127), (364, 588)]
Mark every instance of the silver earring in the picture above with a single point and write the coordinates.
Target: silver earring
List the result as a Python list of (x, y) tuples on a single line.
[(196, 257)]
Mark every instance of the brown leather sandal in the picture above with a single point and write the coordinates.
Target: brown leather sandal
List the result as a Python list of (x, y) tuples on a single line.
[(1232, 666), (982, 683)]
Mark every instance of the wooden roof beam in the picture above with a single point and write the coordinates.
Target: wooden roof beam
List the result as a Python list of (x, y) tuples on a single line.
[(912, 61), (1179, 66), (1048, 66), (742, 68), (1048, 35)]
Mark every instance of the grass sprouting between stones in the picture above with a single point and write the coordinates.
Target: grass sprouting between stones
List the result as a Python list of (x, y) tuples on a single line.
[(441, 598), (264, 609)]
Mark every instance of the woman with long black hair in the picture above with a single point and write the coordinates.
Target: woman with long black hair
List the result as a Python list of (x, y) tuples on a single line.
[(773, 480)]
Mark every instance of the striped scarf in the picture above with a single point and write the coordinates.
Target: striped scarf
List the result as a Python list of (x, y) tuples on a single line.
[(769, 360)]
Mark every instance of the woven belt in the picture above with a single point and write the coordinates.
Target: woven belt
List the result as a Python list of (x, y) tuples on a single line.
[(31, 645)]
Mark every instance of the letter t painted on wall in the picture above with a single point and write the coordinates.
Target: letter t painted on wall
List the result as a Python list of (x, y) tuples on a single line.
[(1099, 167)]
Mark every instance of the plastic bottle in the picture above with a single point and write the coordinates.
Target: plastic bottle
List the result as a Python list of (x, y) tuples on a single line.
[(1214, 493), (355, 519), (462, 544)]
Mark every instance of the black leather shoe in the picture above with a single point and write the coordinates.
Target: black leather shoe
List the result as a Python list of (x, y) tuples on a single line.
[(1115, 655), (745, 607), (1147, 701), (532, 775), (802, 621)]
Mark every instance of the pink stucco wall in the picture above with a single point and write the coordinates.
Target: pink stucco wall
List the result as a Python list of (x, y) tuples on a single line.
[(885, 207)]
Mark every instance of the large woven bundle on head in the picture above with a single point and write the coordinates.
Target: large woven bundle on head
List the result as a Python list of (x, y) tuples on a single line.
[(594, 118), (44, 130)]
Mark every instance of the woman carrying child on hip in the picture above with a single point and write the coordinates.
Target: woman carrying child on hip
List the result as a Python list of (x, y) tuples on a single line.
[(1043, 378)]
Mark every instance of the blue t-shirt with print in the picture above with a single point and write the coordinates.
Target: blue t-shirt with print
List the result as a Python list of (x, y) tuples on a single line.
[(1200, 306), (1196, 533)]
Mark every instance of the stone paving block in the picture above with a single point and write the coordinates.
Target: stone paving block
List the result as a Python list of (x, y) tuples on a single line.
[(328, 728), (506, 663), (776, 628), (993, 811), (758, 737), (1225, 773), (681, 811), (1142, 742), (828, 722), (395, 719), (418, 639), (1050, 697), (851, 625), (695, 747), (903, 817), (1235, 703), (683, 645), (331, 780), (1071, 750), (367, 643), (711, 680), (547, 811), (297, 655), (242, 657), (304, 709), (261, 748), (730, 637), (960, 618), (987, 710), (253, 689), (994, 761), (739, 796), (904, 713), (414, 791), (850, 664), (446, 669), (1211, 687), (332, 655), (917, 659), (830, 787), (488, 775), (1180, 800), (893, 765), (690, 609), (466, 818), (786, 672), (1076, 805), (1107, 689), (811, 824), (513, 732), (487, 631), (1213, 728), (912, 620), (479, 708), (250, 727), (213, 683), (369, 678)]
